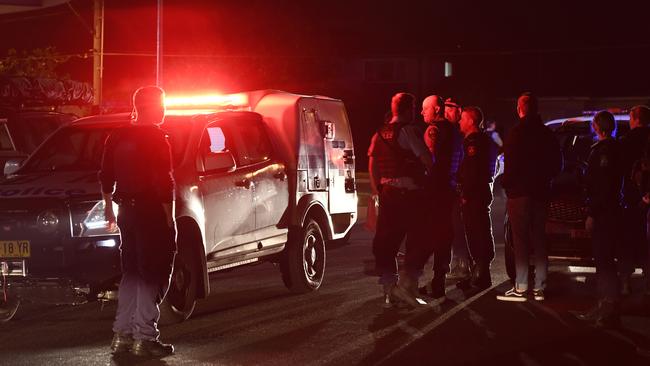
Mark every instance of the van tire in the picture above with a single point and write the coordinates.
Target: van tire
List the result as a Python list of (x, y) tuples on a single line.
[(303, 261), (181, 297)]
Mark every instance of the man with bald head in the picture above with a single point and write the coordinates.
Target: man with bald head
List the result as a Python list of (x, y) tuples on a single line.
[(439, 139), (532, 158)]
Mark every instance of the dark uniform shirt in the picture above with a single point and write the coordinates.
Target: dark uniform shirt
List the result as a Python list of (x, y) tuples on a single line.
[(439, 138), (475, 173), (603, 177), (632, 147), (137, 164)]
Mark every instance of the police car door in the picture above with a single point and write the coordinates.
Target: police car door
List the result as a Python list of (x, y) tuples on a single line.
[(227, 195), (270, 184)]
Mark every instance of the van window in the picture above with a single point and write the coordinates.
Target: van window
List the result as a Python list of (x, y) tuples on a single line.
[(251, 144)]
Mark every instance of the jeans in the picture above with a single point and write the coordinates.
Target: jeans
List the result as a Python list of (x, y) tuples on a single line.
[(527, 221), (402, 213)]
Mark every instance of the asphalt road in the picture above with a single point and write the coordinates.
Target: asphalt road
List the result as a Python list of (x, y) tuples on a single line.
[(251, 319)]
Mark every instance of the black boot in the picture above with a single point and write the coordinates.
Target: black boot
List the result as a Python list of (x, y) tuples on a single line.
[(605, 314), (438, 287), (481, 278)]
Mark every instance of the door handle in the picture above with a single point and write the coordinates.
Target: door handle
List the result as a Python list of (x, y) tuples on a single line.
[(281, 175), (246, 183)]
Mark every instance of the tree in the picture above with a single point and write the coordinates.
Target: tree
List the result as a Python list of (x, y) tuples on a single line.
[(37, 63)]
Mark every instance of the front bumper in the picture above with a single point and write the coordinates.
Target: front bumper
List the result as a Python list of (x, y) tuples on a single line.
[(66, 272)]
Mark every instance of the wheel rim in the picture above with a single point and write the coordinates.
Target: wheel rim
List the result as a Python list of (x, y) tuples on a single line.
[(313, 256)]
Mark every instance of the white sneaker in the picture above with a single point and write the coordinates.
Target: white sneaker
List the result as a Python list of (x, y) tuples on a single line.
[(512, 295)]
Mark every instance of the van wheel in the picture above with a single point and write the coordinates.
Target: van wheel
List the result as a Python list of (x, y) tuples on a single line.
[(181, 297), (303, 262), (509, 250)]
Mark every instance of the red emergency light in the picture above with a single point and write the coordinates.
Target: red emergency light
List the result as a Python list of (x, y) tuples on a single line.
[(207, 101)]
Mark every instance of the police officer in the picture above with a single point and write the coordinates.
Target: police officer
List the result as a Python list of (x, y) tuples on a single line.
[(475, 177), (397, 162), (136, 172), (603, 180), (439, 138), (460, 262)]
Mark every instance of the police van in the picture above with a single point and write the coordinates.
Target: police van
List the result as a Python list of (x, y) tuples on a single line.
[(261, 176)]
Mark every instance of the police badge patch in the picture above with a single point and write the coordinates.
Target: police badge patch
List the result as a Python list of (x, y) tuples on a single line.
[(471, 150)]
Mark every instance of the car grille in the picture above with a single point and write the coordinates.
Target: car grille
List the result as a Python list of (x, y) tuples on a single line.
[(19, 221), (566, 211)]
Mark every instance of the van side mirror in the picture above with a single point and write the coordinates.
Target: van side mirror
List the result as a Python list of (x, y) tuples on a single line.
[(221, 161), (12, 165)]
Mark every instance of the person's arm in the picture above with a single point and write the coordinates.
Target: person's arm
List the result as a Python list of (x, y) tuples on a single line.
[(165, 180), (106, 177), (374, 176), (417, 145)]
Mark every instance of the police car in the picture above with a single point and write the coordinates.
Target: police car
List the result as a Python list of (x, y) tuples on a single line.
[(21, 131), (261, 176), (567, 239)]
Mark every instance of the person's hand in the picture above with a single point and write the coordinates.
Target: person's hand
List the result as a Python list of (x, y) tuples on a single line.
[(109, 215), (646, 199), (589, 224)]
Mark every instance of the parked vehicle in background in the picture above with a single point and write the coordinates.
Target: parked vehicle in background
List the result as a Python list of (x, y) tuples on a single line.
[(261, 176), (22, 131), (567, 211)]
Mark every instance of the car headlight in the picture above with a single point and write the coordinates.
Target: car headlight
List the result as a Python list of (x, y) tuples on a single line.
[(47, 222), (95, 223)]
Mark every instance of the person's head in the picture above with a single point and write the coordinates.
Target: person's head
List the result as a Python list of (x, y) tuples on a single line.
[(432, 108), (452, 110), (149, 105), (639, 116), (470, 120), (490, 125), (527, 105), (603, 124), (403, 105)]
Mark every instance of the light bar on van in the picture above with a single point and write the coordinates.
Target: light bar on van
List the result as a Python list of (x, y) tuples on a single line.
[(207, 101)]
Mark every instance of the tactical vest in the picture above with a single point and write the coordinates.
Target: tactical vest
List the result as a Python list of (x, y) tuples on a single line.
[(394, 161)]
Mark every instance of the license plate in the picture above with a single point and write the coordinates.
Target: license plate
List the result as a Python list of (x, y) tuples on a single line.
[(14, 249)]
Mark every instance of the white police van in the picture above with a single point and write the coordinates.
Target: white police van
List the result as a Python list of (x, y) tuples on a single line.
[(264, 175)]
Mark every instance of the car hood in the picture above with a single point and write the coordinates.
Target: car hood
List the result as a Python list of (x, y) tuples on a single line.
[(50, 185)]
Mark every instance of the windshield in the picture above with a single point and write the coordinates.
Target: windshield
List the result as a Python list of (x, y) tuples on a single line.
[(80, 147)]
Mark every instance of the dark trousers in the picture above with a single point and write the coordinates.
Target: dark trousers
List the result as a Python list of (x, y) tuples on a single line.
[(147, 256), (604, 239), (632, 249), (440, 231), (459, 249), (478, 227), (400, 215), (528, 223)]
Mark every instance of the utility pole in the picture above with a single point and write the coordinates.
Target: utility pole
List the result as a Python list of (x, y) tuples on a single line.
[(159, 45), (98, 52)]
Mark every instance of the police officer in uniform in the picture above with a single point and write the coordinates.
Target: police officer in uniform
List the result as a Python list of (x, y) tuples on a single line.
[(439, 138), (475, 178), (603, 181), (136, 172), (397, 162)]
